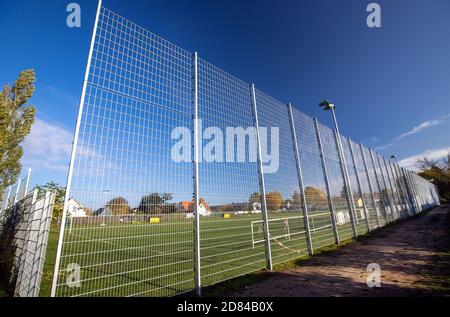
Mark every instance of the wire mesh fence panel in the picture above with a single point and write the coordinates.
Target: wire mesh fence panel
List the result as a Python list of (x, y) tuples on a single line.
[(415, 194), (22, 190), (418, 193), (33, 243), (286, 223), (12, 194), (356, 186), (377, 186), (129, 230), (232, 232), (387, 189), (337, 185), (128, 227), (397, 189), (402, 189), (22, 220), (364, 177), (316, 197), (398, 204)]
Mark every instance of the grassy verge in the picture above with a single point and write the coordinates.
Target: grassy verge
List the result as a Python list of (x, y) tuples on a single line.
[(50, 258)]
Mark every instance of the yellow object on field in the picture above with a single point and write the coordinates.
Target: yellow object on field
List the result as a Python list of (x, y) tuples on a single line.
[(155, 220), (226, 216)]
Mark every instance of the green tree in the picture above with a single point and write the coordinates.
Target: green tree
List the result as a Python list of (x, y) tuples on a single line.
[(156, 203), (59, 198), (16, 118), (437, 172)]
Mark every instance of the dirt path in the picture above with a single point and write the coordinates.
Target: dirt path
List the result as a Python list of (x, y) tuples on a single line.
[(406, 253)]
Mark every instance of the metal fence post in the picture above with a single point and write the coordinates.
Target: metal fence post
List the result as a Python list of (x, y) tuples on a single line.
[(387, 204), (347, 185), (300, 181), (197, 256), (261, 181), (72, 156), (327, 183), (358, 181), (27, 184), (372, 195), (16, 196)]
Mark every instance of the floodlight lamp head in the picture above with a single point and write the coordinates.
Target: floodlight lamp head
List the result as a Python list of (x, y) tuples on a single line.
[(393, 156), (326, 105)]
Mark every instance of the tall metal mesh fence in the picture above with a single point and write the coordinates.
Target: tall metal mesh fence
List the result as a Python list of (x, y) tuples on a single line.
[(133, 234), (356, 183), (338, 190), (24, 227), (130, 216), (365, 174), (231, 234), (377, 188), (316, 195), (286, 223)]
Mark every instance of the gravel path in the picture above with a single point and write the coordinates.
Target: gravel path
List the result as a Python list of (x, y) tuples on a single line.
[(405, 252)]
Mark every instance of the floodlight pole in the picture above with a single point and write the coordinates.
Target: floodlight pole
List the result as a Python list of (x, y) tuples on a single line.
[(346, 178), (327, 184)]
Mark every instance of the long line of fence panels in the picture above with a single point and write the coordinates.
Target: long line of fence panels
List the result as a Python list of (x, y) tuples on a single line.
[(183, 176)]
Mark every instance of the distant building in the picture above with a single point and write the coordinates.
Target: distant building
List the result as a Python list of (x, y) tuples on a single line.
[(256, 208), (75, 209), (104, 211), (188, 208)]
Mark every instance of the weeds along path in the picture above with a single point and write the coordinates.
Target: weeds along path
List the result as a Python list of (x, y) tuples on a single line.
[(414, 256)]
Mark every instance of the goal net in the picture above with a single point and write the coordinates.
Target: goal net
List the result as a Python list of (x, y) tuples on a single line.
[(279, 229)]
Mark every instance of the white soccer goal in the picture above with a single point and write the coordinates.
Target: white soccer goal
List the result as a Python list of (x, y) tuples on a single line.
[(279, 229)]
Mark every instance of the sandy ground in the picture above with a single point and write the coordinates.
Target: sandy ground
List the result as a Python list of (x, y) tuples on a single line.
[(406, 253)]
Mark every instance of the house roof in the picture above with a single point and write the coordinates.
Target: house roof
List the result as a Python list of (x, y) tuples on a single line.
[(187, 205)]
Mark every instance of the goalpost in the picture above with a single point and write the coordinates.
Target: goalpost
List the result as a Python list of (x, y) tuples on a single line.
[(280, 229)]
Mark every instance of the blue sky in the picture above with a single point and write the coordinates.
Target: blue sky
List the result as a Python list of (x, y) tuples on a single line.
[(390, 85)]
